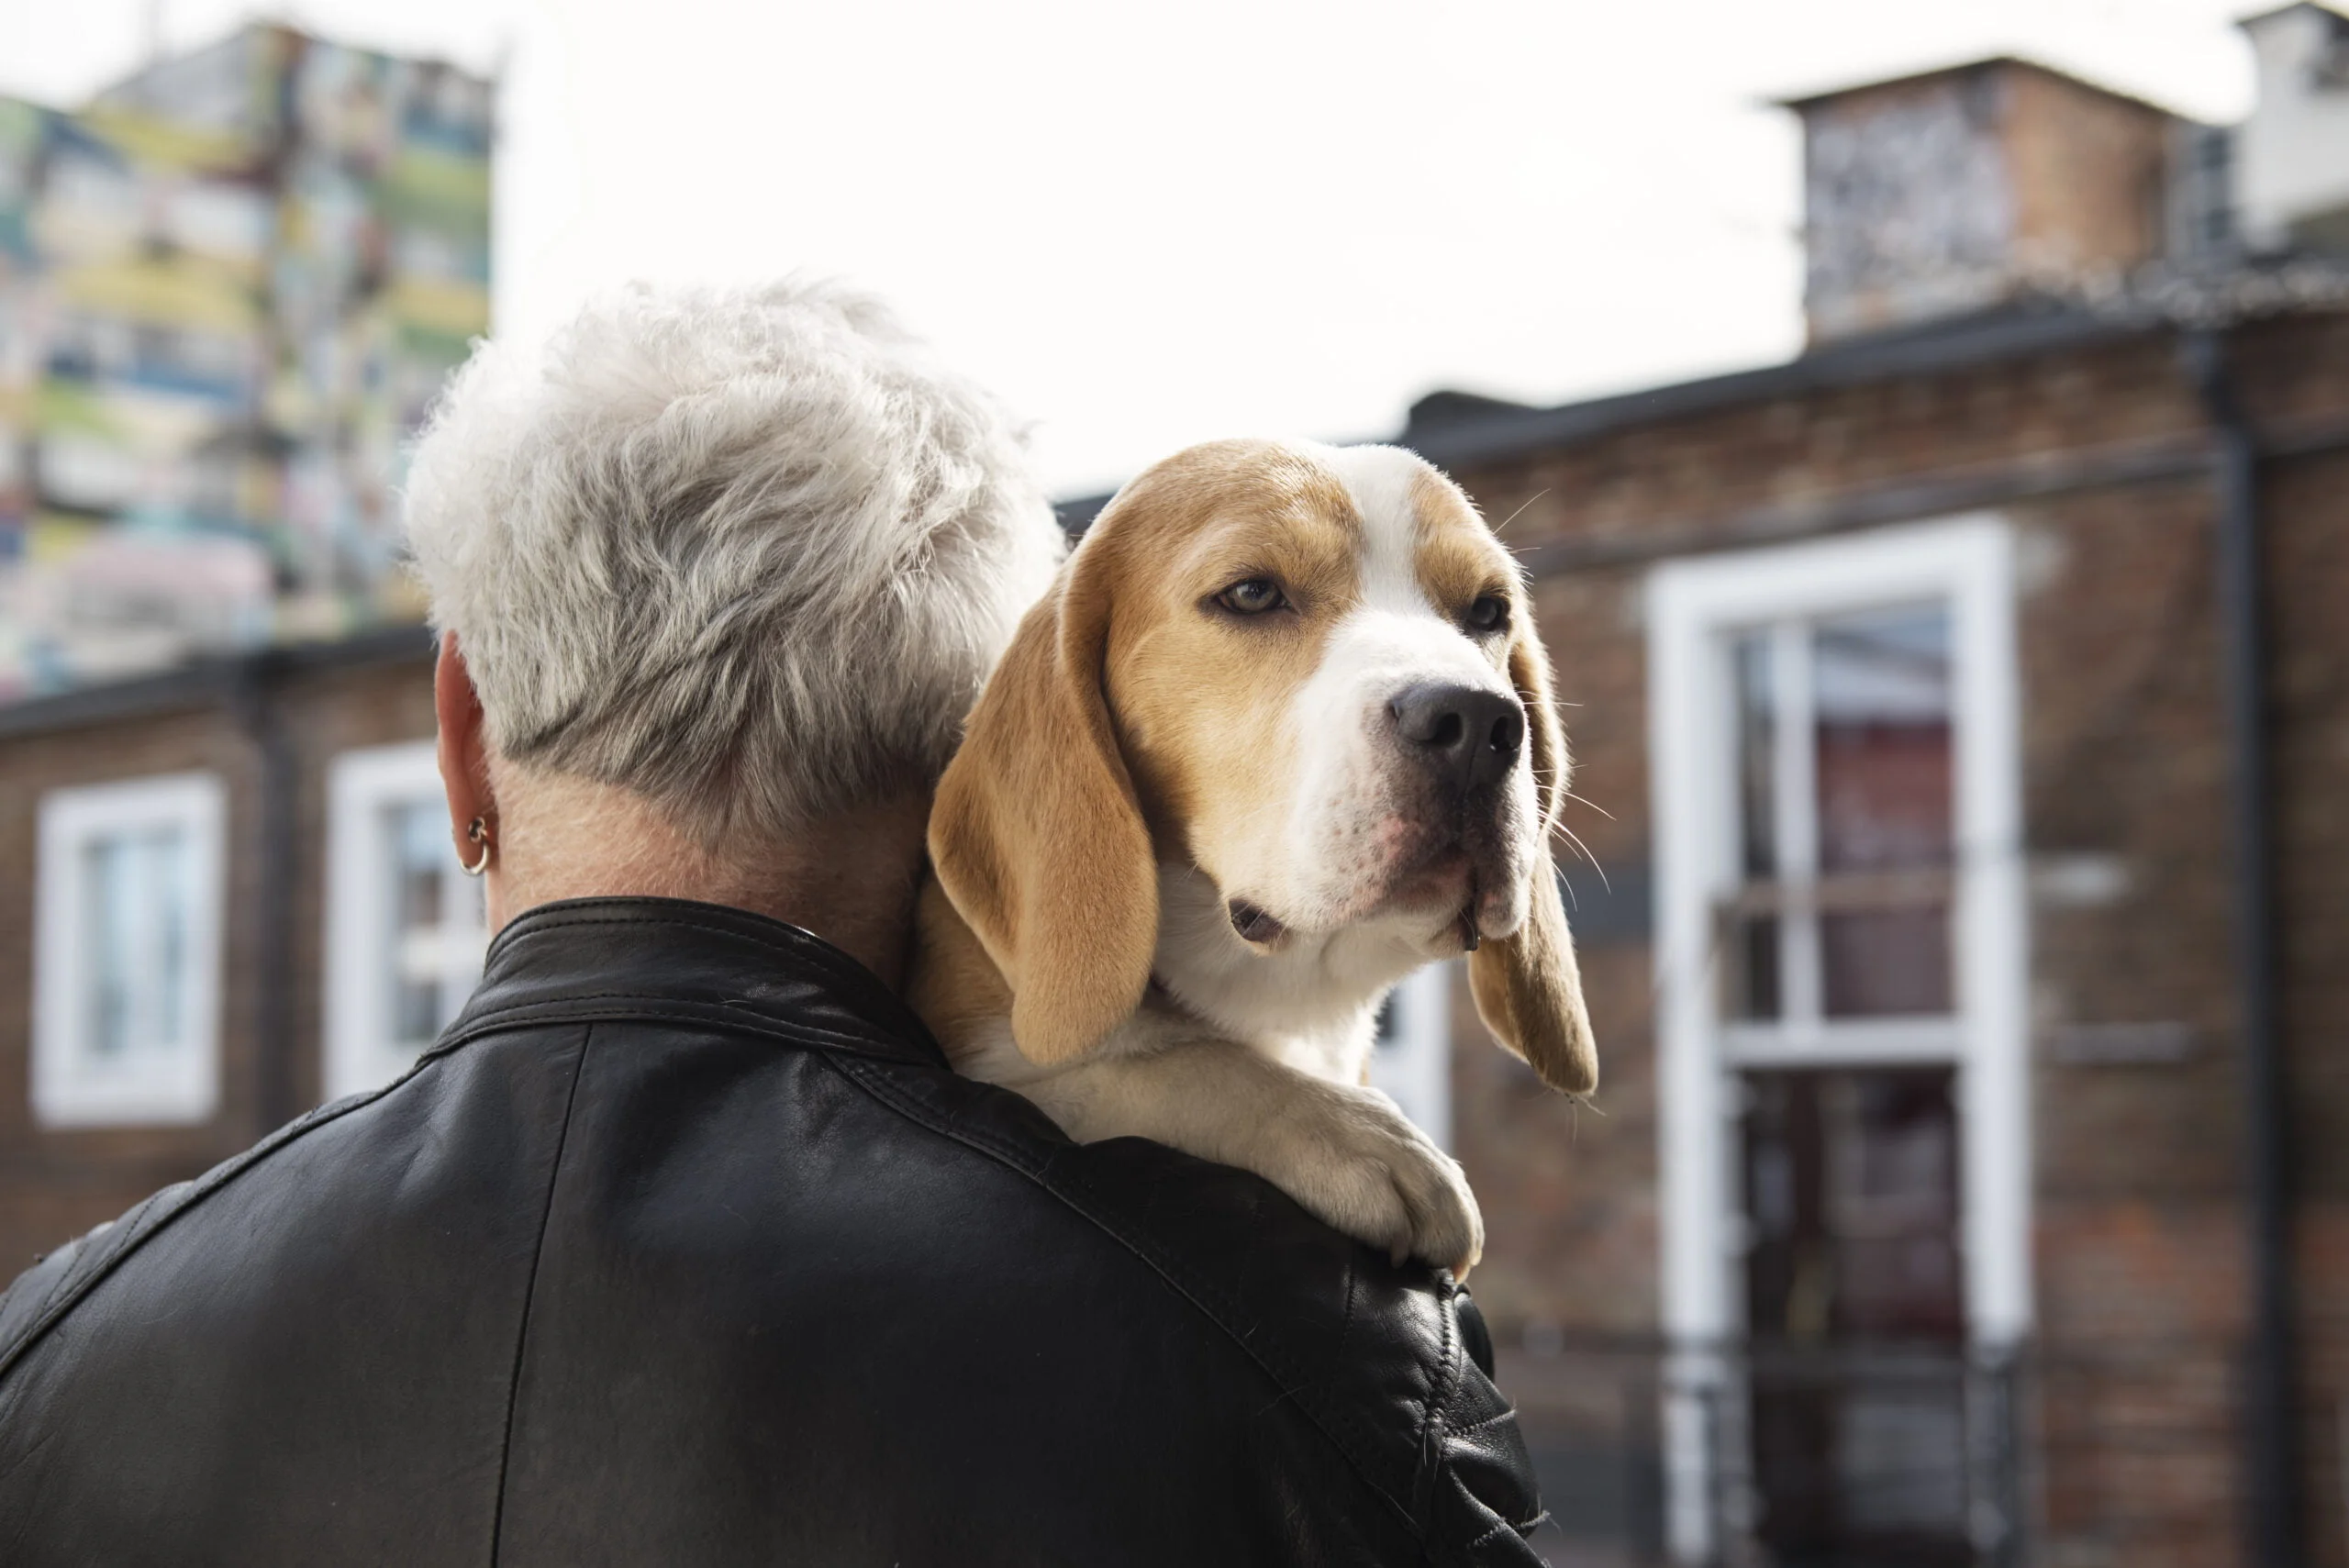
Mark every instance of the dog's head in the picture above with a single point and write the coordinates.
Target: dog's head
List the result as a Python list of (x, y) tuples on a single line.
[(1313, 674)]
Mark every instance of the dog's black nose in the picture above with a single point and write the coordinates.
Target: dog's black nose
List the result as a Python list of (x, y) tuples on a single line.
[(1469, 737)]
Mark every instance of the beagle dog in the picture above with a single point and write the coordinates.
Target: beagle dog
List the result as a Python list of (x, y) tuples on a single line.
[(1280, 734)]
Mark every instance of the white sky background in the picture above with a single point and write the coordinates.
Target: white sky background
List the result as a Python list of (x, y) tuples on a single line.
[(1151, 227)]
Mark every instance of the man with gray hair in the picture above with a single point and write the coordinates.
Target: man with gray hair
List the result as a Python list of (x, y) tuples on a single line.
[(683, 1245)]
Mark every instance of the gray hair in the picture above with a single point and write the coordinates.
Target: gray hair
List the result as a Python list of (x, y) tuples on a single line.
[(748, 553)]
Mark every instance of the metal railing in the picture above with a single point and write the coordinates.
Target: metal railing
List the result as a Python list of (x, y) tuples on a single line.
[(1856, 1456)]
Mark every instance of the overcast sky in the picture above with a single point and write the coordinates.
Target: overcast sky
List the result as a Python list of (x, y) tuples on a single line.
[(1149, 227)]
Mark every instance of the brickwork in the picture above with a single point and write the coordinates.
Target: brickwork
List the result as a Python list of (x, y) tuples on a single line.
[(55, 1184), (2309, 572), (1559, 1182), (2089, 169), (1692, 480), (1969, 187), (327, 716), (2139, 1242)]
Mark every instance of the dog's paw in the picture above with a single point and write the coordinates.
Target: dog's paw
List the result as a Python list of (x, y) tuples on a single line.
[(1352, 1160)]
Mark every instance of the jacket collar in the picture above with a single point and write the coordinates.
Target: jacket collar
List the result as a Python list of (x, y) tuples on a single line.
[(588, 958)]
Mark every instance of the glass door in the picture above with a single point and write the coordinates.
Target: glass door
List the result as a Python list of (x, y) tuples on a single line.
[(1838, 1010), (1838, 932), (1855, 1314), (1843, 1094)]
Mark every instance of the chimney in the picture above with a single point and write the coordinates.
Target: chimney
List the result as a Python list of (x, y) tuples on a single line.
[(2292, 155), (1967, 188)]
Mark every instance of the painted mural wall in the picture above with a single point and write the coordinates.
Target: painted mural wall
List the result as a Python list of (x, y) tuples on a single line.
[(229, 288)]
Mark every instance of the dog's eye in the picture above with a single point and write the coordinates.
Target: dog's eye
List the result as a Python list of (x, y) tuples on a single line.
[(1489, 613), (1251, 596)]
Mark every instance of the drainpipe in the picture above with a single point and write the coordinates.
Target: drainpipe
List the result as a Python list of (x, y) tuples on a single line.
[(276, 826), (2272, 1455)]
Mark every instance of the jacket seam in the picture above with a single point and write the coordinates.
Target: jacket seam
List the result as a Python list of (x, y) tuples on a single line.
[(1500, 1528), (1339, 1428), (83, 1265), (1473, 1428), (102, 1253), (69, 1291), (565, 1009), (804, 946), (529, 1296), (564, 920), (1346, 1319), (1443, 1383)]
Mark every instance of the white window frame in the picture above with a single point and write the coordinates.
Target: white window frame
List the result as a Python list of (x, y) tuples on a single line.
[(359, 1053), (1693, 607), (69, 1090), (1416, 1066)]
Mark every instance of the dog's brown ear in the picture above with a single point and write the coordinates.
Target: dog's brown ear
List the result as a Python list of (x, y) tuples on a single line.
[(1036, 835), (1528, 986)]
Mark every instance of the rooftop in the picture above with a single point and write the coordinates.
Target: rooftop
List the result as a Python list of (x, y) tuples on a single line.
[(1799, 100), (2254, 18)]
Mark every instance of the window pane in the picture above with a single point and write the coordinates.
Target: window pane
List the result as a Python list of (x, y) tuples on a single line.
[(1753, 994), (1881, 686), (1886, 962), (1412, 1059), (135, 898), (1851, 1188), (173, 874), (110, 897), (419, 859), (1885, 745), (1750, 948), (1756, 745), (418, 855)]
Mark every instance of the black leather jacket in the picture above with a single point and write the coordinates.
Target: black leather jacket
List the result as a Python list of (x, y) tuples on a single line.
[(684, 1247)]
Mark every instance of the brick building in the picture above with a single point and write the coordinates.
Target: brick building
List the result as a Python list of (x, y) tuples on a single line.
[(230, 285), (1967, 953), (191, 864), (1942, 1202)]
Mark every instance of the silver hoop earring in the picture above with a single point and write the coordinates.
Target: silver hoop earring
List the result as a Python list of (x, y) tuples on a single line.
[(476, 832)]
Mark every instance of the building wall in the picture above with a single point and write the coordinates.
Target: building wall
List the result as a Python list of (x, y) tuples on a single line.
[(2138, 1233), (1959, 189), (1908, 202), (2308, 556), (326, 715), (55, 1184), (2089, 174), (229, 287)]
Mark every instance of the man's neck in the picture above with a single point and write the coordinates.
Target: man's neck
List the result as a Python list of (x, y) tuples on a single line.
[(850, 880)]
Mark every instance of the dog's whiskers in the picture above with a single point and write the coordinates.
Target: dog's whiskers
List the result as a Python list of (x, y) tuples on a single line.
[(1576, 839), (1593, 804), (1519, 512)]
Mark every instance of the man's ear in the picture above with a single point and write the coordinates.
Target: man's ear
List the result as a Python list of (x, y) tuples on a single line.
[(1036, 835), (1528, 986), (462, 747)]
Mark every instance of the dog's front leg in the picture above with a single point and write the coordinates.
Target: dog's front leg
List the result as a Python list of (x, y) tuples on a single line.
[(1346, 1154)]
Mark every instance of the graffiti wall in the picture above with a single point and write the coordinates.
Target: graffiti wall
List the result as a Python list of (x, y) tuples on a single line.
[(229, 287)]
